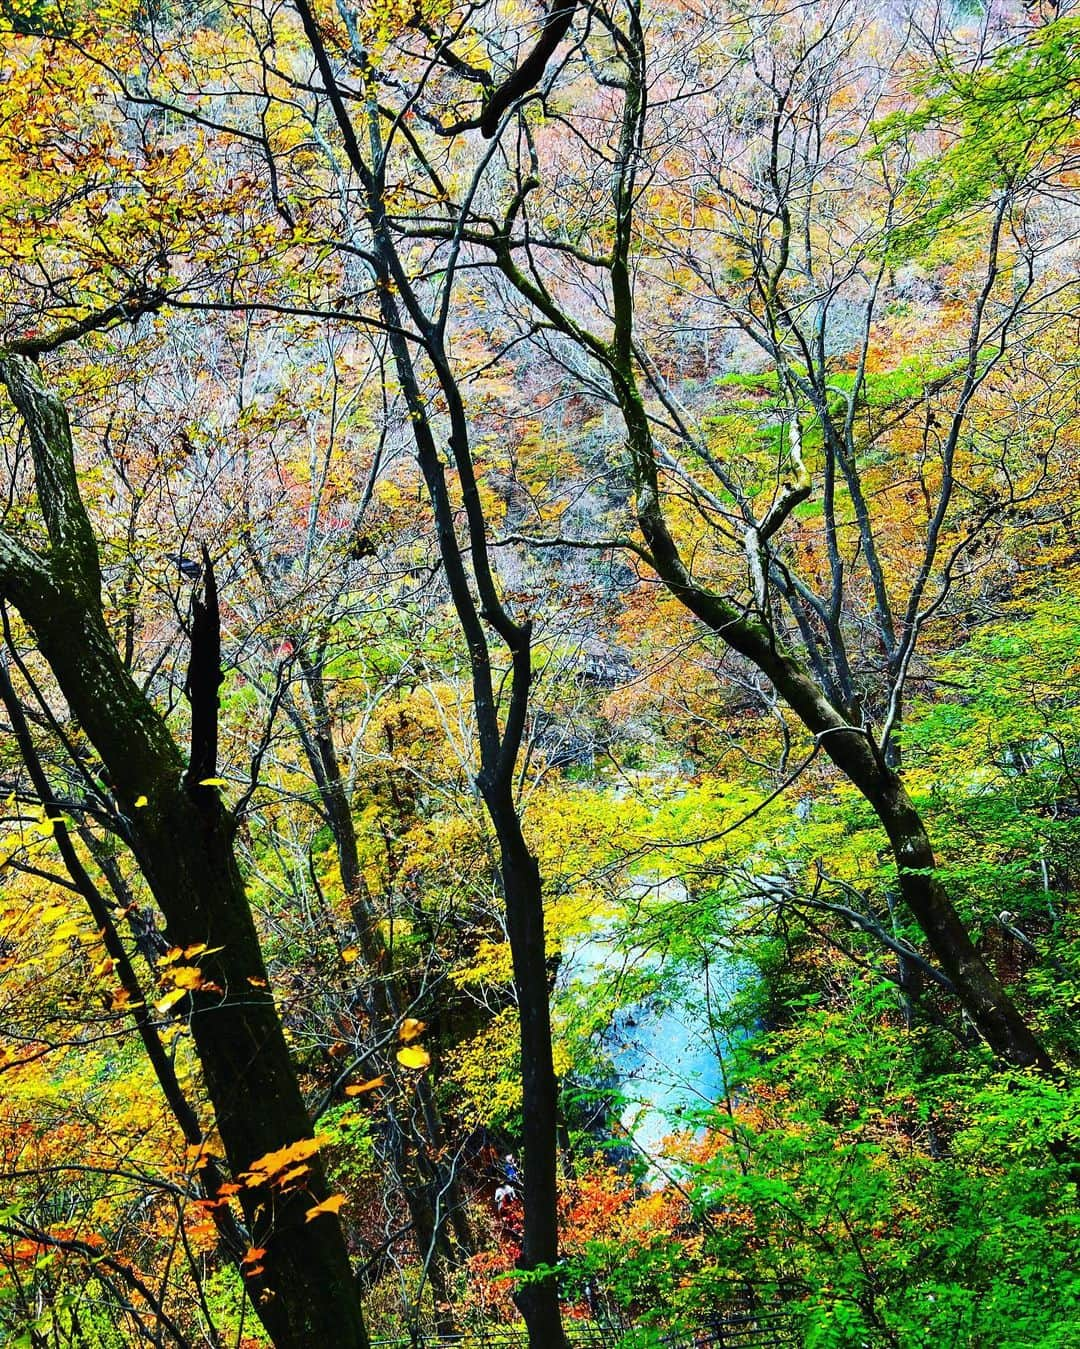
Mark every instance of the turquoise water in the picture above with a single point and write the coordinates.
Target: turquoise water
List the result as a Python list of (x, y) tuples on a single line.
[(667, 1059)]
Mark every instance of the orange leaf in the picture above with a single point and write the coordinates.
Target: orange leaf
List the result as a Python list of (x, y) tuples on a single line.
[(358, 1088), (267, 1168), (330, 1205)]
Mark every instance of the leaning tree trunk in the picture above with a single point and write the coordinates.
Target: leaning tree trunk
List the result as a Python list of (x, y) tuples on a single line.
[(980, 993), (182, 838)]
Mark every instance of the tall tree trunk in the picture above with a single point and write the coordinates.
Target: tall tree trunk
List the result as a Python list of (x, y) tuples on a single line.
[(182, 838), (538, 1299), (499, 744)]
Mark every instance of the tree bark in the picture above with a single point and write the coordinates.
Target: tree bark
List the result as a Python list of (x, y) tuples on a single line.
[(538, 1298), (182, 838), (210, 1178), (980, 993)]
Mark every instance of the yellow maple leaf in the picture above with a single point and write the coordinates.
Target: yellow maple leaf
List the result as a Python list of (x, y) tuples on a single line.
[(411, 1029), (293, 1174), (186, 976), (252, 1264), (170, 998), (413, 1056), (267, 1168), (120, 1000)]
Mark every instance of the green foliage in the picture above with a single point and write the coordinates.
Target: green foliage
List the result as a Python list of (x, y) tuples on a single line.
[(911, 1208), (1002, 126)]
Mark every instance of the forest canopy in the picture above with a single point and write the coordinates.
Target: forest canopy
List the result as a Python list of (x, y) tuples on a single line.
[(539, 652)]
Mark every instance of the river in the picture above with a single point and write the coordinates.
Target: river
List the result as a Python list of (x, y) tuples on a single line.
[(666, 1057)]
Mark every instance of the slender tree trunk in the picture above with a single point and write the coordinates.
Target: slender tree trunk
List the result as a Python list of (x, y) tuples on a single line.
[(522, 891), (182, 838), (322, 755), (538, 1299)]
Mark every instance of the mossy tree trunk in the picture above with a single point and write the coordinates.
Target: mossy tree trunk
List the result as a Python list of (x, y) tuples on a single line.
[(182, 839)]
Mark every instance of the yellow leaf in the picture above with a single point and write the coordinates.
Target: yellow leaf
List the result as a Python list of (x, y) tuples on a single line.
[(141, 801), (186, 976), (358, 1088), (349, 955), (413, 1056), (170, 998), (411, 1029), (214, 782), (330, 1205)]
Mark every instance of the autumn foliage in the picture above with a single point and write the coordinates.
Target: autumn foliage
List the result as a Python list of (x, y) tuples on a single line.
[(540, 748)]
